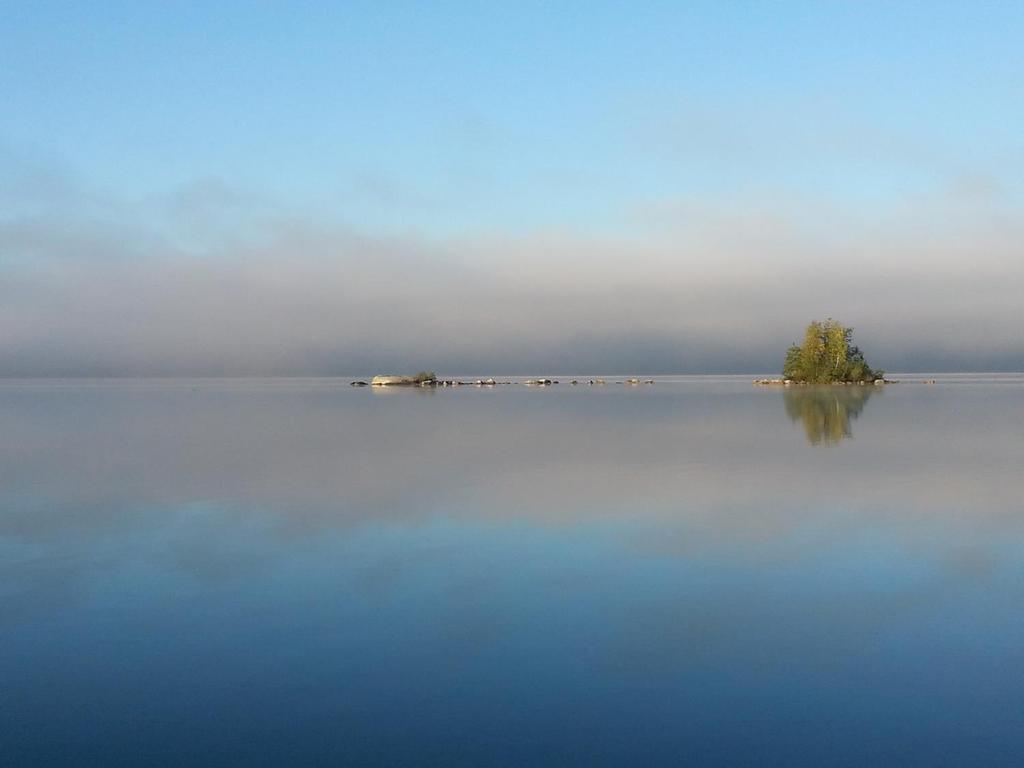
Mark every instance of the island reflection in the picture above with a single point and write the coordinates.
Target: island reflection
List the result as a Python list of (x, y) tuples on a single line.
[(826, 412)]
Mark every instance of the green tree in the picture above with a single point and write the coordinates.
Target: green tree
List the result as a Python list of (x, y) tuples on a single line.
[(837, 346), (827, 356), (813, 355), (792, 367)]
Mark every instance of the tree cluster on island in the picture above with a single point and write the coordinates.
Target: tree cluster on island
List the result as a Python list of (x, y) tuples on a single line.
[(828, 356)]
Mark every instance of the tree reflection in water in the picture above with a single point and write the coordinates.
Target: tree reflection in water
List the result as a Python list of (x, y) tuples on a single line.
[(826, 411)]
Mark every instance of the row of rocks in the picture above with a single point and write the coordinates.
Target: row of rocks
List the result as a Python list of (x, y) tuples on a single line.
[(406, 381), (792, 383), (477, 383)]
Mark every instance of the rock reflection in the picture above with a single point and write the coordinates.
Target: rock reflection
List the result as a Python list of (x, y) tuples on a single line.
[(826, 412)]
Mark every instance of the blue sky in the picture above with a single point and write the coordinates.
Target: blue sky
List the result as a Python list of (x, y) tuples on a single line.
[(445, 124), (455, 117)]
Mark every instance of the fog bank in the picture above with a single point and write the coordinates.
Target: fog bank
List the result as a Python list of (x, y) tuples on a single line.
[(934, 287)]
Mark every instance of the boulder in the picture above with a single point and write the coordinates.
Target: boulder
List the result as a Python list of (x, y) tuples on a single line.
[(419, 380), (392, 381)]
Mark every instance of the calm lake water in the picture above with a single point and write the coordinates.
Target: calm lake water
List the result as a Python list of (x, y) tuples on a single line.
[(696, 572)]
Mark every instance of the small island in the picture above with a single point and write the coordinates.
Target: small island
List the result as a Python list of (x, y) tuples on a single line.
[(827, 356), (424, 379)]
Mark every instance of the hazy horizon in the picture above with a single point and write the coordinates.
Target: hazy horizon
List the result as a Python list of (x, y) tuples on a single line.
[(656, 190)]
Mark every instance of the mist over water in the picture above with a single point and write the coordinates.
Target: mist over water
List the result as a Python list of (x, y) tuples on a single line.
[(264, 571), (97, 287)]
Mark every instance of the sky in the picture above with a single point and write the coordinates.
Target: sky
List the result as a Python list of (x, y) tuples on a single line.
[(294, 189)]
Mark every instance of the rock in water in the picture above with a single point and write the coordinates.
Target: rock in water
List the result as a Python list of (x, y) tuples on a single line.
[(392, 381)]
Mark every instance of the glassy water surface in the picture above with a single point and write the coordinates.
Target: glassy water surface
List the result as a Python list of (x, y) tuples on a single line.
[(699, 571)]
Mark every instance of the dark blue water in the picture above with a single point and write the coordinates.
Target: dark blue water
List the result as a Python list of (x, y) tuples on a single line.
[(695, 572)]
